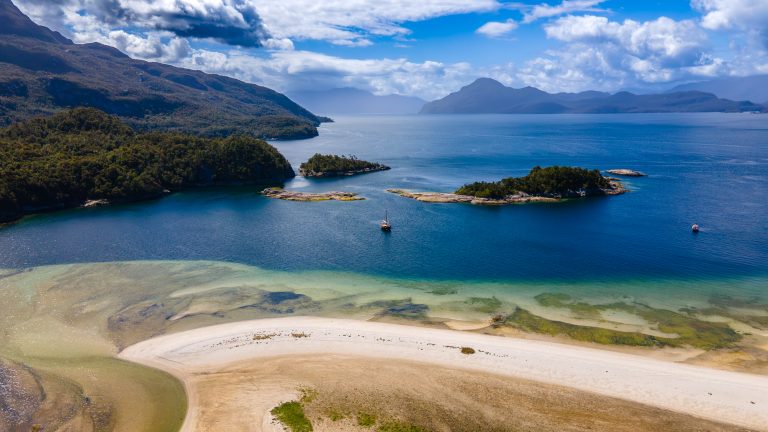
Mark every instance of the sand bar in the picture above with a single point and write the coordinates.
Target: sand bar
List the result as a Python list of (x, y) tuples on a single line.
[(730, 397)]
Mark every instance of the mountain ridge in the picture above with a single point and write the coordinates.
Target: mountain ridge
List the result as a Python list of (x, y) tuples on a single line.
[(753, 87), (42, 72), (488, 96)]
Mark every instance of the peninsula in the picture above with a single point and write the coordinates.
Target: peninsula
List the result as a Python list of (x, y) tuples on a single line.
[(337, 166), (85, 157), (550, 184)]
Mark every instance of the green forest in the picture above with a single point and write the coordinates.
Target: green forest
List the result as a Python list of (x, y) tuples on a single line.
[(84, 154), (319, 165), (554, 181)]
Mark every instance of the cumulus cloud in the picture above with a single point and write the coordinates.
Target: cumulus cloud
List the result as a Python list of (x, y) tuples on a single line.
[(603, 54), (250, 23), (725, 14), (748, 16), (301, 70), (497, 29), (233, 22)]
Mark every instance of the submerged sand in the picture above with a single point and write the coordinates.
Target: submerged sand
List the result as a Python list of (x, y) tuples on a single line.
[(723, 396)]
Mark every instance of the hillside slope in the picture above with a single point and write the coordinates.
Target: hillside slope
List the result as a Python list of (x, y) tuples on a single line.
[(42, 72)]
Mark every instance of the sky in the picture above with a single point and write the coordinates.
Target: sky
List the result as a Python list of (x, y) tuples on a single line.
[(429, 48)]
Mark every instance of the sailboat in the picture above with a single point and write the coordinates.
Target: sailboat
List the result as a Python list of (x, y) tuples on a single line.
[(385, 225)]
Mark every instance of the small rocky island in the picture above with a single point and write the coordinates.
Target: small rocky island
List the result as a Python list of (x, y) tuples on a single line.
[(550, 184), (626, 172), (287, 195), (337, 166)]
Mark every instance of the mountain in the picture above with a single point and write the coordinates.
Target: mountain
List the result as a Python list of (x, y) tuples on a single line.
[(355, 101), (42, 72), (753, 88), (489, 96)]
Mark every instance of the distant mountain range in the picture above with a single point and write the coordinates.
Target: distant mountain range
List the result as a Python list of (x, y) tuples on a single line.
[(489, 96), (754, 88), (42, 72), (355, 101)]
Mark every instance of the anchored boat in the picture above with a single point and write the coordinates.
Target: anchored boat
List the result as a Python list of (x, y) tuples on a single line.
[(385, 225)]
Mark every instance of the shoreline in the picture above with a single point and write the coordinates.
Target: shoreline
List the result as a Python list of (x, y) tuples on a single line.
[(736, 398), (521, 198), (288, 195)]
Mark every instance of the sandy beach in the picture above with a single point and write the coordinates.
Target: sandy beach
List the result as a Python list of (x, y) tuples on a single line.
[(722, 396)]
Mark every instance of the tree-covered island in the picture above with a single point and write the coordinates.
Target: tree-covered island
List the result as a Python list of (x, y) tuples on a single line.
[(84, 154), (551, 182), (548, 184), (334, 166)]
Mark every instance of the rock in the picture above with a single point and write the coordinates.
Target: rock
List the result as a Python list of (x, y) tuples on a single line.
[(520, 198), (626, 172), (283, 194), (96, 203), (310, 173)]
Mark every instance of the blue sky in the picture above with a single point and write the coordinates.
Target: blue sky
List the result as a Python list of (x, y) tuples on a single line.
[(429, 48)]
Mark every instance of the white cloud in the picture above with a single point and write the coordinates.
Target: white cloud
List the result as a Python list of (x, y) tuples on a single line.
[(250, 22), (566, 7), (298, 70), (606, 55), (727, 14), (353, 22), (497, 29), (153, 47)]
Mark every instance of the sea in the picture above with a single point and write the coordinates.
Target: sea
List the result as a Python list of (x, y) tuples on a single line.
[(709, 169)]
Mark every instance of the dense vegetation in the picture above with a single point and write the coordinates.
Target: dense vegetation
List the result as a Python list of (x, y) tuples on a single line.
[(330, 165), (85, 154), (554, 181), (42, 72)]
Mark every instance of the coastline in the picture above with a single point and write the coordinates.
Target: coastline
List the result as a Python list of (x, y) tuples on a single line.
[(731, 397), (617, 188)]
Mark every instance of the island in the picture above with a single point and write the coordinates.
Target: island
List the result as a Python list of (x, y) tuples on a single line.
[(321, 165), (280, 193), (85, 157), (626, 172), (550, 184)]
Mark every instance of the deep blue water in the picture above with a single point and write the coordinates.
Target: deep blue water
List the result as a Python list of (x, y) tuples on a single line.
[(710, 169)]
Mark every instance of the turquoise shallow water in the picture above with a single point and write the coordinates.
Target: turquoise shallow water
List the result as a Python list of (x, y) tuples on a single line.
[(710, 169)]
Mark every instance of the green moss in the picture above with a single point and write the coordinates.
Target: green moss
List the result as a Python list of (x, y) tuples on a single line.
[(443, 291), (727, 301), (335, 415), (553, 299), (291, 414), (524, 320), (395, 426), (690, 331), (562, 300), (366, 419), (485, 304), (307, 395)]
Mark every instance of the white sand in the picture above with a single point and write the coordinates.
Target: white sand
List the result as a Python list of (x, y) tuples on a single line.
[(729, 397)]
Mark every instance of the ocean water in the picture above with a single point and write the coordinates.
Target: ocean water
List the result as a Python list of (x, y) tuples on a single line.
[(710, 169)]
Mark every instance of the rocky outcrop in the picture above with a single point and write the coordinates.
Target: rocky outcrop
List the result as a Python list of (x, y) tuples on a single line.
[(287, 195), (520, 198), (626, 172), (310, 173)]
